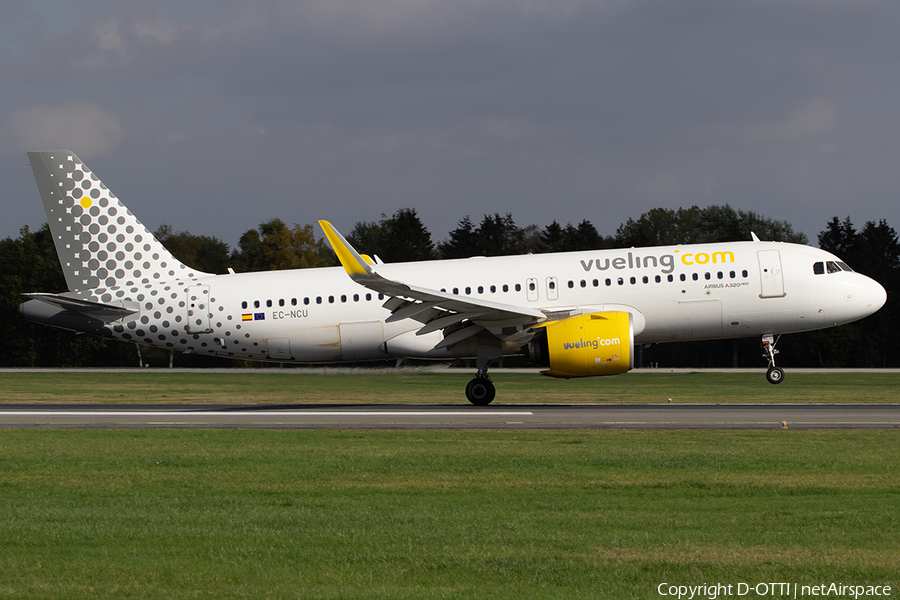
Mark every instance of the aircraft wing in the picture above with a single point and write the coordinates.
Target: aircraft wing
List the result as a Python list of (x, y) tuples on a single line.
[(465, 316)]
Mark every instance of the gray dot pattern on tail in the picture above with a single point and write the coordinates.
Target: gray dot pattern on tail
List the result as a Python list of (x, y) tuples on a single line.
[(108, 246), (109, 256)]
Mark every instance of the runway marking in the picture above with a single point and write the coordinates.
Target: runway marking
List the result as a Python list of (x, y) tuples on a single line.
[(254, 413), (439, 417)]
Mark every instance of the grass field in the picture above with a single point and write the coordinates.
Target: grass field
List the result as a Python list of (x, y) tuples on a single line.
[(410, 386), (441, 514)]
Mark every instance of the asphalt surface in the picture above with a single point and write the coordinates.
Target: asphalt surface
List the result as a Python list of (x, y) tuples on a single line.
[(346, 416)]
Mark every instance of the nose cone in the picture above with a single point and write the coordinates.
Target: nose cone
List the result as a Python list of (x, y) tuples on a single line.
[(876, 296)]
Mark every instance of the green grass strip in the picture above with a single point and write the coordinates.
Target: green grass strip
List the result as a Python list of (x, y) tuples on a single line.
[(409, 386), (441, 514)]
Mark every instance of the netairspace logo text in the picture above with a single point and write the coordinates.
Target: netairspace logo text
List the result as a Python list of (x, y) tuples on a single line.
[(770, 590)]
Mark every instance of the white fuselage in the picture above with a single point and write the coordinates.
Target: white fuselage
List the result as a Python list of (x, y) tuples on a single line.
[(676, 293)]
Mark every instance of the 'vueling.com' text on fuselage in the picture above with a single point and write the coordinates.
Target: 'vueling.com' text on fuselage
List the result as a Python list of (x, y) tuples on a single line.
[(665, 262)]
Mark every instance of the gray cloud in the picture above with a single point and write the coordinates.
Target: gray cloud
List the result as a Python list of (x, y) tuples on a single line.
[(94, 131), (345, 109)]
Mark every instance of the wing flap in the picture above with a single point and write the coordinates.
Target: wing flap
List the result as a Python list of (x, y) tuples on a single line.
[(411, 310), (450, 319), (458, 336)]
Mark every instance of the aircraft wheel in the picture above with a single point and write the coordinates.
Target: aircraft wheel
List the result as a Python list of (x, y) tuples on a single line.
[(775, 375), (480, 391)]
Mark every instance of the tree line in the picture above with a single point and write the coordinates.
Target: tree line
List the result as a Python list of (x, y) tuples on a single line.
[(29, 263), (402, 237)]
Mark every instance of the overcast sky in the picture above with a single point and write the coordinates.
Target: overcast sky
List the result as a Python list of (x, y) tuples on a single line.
[(213, 116)]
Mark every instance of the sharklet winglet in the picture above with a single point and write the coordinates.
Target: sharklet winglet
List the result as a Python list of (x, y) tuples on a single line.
[(353, 263)]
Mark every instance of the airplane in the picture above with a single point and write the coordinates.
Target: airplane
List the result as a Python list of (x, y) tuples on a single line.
[(578, 314)]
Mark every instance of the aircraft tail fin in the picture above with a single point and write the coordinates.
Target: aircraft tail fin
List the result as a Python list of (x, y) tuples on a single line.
[(99, 242)]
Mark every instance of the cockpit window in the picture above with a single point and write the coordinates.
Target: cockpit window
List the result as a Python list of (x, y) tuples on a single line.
[(820, 268)]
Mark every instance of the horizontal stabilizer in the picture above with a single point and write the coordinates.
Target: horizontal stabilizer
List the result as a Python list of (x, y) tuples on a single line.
[(102, 311)]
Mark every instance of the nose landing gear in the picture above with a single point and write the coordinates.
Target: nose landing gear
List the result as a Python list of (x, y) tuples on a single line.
[(775, 374)]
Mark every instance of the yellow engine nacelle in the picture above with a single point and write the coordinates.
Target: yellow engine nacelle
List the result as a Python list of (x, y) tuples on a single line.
[(585, 345)]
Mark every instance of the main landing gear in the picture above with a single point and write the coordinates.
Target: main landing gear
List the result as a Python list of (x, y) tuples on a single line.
[(480, 391), (775, 374)]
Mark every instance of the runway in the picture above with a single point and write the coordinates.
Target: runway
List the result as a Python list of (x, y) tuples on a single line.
[(570, 416)]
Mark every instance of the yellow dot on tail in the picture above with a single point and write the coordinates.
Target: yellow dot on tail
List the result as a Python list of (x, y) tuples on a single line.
[(85, 202)]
